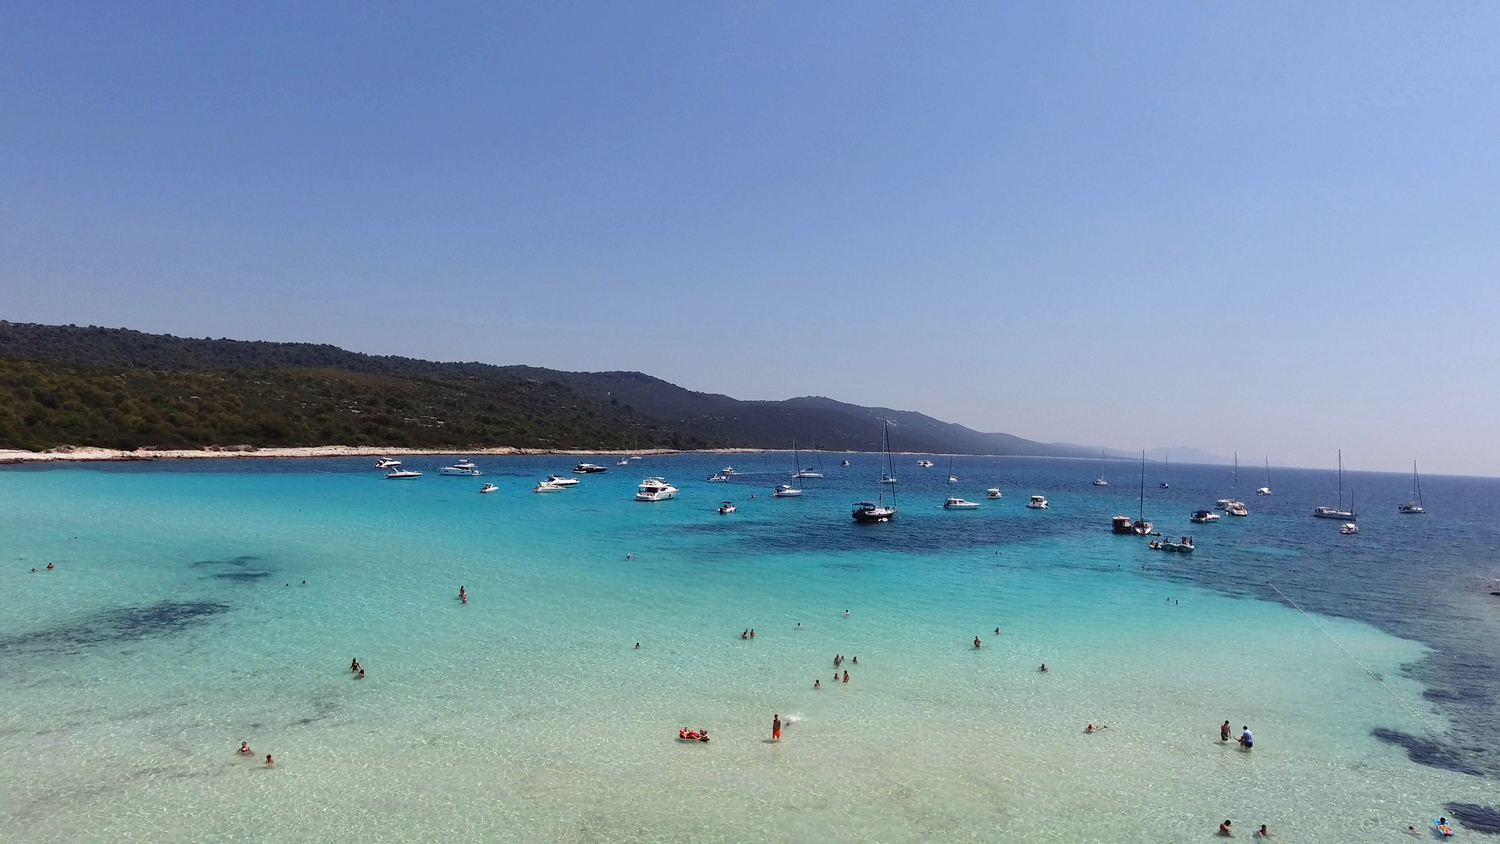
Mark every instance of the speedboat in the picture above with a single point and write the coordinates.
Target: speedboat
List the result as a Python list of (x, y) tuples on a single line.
[(489, 488), (462, 467), (952, 479), (588, 469), (869, 512), (925, 464), (1203, 517), (559, 480), (1037, 502), (398, 474), (1348, 528), (956, 503), (547, 486), (655, 489), (993, 492), (727, 470), (786, 491), (718, 478), (387, 463), (726, 508), (1237, 508)]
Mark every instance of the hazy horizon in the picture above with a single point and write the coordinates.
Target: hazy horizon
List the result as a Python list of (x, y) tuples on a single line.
[(1267, 229)]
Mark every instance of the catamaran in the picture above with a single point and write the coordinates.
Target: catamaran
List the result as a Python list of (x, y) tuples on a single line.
[(872, 512), (1338, 512), (1414, 506)]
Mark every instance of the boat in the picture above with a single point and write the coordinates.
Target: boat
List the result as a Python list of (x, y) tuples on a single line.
[(1182, 546), (1223, 503), (925, 464), (399, 474), (1141, 527), (993, 492), (559, 480), (462, 467), (1338, 512), (547, 486), (956, 503), (808, 472), (1348, 528), (877, 511), (726, 508), (1121, 524), (1037, 502), (1100, 481), (718, 478), (727, 470), (1202, 517), (1237, 509), (590, 469), (489, 488), (786, 491), (1166, 469), (1414, 506), (622, 462), (1233, 505), (844, 463), (655, 489), (1185, 546), (1266, 490), (387, 463)]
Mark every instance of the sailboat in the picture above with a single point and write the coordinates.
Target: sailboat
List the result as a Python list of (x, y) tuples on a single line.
[(787, 490), (1338, 512), (952, 478), (1166, 469), (1233, 505), (1140, 527), (1100, 481), (871, 512), (809, 473), (1266, 490), (1414, 506), (994, 491)]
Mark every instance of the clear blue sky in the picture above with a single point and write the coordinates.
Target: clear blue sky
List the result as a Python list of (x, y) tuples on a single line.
[(1262, 227)]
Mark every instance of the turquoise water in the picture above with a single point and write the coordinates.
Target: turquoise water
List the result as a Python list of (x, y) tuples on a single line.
[(176, 625)]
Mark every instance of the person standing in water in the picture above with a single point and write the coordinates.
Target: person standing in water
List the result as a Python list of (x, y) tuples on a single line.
[(269, 760), (846, 676), (976, 641), (775, 728), (1224, 731), (1247, 741), (463, 595)]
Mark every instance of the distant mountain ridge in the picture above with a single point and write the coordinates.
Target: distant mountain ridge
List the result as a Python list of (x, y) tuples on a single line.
[(389, 400)]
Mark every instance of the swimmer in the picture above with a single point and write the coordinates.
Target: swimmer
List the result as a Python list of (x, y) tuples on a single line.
[(1093, 729), (976, 641), (799, 625), (33, 570), (745, 634), (775, 728), (752, 632), (1224, 731), (997, 631), (304, 583), (49, 567), (1224, 830), (817, 684), (632, 556), (855, 660), (1044, 668), (463, 595), (269, 760), (1263, 832), (846, 676), (637, 645), (354, 665), (245, 749), (846, 612), (360, 675)]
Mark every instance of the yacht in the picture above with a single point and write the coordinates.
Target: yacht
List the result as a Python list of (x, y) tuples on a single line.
[(1166, 464), (844, 463), (718, 478), (925, 464), (1100, 481), (1237, 509), (875, 512), (1203, 517), (1233, 505), (1266, 490), (462, 467), (956, 503), (1141, 527), (809, 472), (559, 480), (635, 457), (655, 489), (993, 492), (786, 491), (1338, 512), (547, 486), (726, 508), (387, 463), (589, 469), (1037, 502), (489, 488), (398, 474), (1348, 528), (623, 461), (727, 470), (1414, 506)]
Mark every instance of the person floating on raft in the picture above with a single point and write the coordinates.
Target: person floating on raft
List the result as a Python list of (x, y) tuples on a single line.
[(692, 735), (1442, 827)]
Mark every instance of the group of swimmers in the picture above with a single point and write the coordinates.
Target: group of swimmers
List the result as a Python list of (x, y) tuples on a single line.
[(357, 669), (1247, 740), (748, 633), (1226, 829), (49, 568), (246, 751)]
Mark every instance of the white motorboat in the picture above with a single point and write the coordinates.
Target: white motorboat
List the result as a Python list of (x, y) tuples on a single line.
[(622, 462), (1223, 503), (655, 489), (559, 480), (718, 478), (1264, 490), (726, 508), (1348, 528), (1326, 512), (635, 457), (1203, 517), (387, 463), (956, 503), (462, 467), (786, 491), (489, 488), (844, 463), (727, 470), (993, 492), (546, 486), (589, 469), (1037, 502), (925, 464), (1414, 506), (399, 474)]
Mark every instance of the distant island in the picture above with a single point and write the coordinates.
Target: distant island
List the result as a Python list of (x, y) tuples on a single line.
[(67, 386)]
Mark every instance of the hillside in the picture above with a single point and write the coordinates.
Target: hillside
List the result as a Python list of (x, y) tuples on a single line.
[(121, 388)]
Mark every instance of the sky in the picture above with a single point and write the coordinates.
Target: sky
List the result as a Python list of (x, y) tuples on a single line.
[(1264, 228)]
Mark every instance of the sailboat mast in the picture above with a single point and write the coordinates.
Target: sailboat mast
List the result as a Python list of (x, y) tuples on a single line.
[(1142, 515), (1341, 479), (796, 465)]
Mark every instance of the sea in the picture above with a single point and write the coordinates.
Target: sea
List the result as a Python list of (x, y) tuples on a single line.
[(195, 605)]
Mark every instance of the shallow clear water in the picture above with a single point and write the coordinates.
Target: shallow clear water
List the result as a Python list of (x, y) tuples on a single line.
[(176, 625)]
